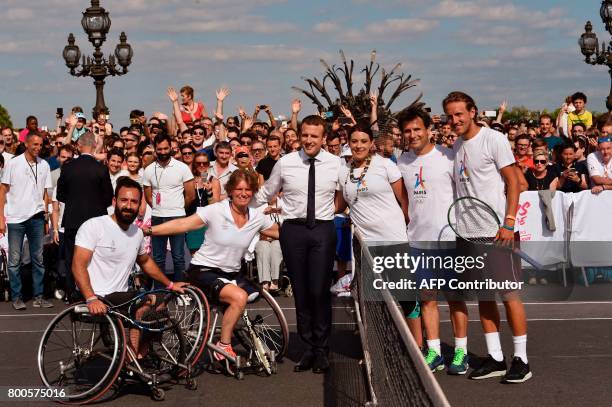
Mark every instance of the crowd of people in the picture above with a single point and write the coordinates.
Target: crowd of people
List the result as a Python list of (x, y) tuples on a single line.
[(219, 184)]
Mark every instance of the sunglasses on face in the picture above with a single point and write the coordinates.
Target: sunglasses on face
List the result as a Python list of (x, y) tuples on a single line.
[(540, 161), (187, 153), (198, 133), (147, 153), (523, 145), (258, 150), (203, 163), (58, 144)]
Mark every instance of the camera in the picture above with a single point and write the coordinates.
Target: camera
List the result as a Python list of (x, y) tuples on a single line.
[(59, 112), (262, 107)]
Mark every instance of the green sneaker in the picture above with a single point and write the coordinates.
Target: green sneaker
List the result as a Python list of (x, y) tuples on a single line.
[(459, 365), (434, 361)]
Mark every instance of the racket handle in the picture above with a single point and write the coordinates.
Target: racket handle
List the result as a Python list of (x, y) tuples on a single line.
[(527, 258)]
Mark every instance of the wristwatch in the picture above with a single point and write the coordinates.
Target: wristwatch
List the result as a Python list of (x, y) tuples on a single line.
[(148, 231)]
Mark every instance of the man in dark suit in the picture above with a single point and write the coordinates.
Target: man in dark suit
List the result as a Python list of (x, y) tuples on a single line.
[(85, 188)]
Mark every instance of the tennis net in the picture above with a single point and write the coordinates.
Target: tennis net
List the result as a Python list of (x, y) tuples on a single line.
[(396, 371)]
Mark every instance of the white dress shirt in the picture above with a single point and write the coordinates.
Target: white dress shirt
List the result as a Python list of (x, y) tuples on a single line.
[(291, 175)]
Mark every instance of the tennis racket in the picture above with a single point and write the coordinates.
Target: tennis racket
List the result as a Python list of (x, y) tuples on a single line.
[(475, 221)]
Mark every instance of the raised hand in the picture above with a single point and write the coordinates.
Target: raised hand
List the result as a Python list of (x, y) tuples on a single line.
[(172, 95), (503, 106), (247, 123), (374, 97), (296, 106), (222, 93), (241, 112)]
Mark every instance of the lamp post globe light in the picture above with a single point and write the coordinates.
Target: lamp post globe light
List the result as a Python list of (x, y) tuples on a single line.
[(96, 24), (589, 44)]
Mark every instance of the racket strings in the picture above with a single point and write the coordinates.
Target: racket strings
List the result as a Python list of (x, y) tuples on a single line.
[(473, 220)]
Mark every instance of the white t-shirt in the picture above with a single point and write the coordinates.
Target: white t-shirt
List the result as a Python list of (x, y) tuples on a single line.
[(222, 177), (376, 214), (477, 166), (115, 177), (597, 167), (27, 186), (114, 253), (62, 206), (167, 187), (7, 156), (429, 182), (225, 244)]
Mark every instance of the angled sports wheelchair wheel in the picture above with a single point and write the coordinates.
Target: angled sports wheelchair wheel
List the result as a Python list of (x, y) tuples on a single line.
[(192, 314), (269, 323), (81, 355)]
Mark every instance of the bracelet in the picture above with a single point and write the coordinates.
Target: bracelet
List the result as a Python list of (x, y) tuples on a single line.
[(169, 286), (510, 228), (148, 231), (91, 299), (510, 217)]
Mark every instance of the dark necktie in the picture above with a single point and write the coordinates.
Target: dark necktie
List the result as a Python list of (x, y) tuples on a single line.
[(310, 208)]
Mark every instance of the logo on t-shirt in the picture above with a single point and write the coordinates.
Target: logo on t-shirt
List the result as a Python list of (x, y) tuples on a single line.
[(361, 186), (464, 174), (419, 184)]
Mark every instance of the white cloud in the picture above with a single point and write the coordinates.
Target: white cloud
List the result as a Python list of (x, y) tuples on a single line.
[(388, 30)]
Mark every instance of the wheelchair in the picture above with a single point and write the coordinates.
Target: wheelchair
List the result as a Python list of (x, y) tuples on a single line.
[(260, 338), (82, 356), (4, 276)]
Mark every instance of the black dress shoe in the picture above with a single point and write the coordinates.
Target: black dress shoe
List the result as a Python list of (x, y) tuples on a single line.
[(321, 363), (305, 362)]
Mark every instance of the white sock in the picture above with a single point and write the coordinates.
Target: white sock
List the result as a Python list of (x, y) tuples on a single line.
[(435, 345), (494, 346), (520, 347), (461, 343)]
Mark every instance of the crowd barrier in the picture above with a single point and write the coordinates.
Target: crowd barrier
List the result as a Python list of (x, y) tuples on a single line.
[(583, 234)]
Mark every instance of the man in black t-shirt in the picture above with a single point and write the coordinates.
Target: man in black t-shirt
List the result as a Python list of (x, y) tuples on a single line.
[(266, 164), (573, 175)]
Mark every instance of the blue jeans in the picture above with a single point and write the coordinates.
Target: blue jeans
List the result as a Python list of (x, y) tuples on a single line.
[(34, 229), (177, 248)]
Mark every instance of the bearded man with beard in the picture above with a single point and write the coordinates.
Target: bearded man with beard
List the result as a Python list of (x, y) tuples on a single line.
[(106, 249), (168, 189)]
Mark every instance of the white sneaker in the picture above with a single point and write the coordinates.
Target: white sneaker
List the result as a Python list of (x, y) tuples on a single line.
[(533, 281), (59, 294), (343, 285)]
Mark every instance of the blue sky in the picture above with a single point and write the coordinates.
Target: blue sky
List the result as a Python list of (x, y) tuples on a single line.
[(525, 51)]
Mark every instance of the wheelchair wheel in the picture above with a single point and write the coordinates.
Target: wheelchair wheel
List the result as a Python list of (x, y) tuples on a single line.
[(81, 355), (192, 315), (167, 351), (270, 324)]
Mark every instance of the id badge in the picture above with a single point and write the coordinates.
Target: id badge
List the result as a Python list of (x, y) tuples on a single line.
[(158, 198)]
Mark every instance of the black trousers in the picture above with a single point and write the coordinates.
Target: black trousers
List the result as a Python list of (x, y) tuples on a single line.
[(309, 257), (69, 238)]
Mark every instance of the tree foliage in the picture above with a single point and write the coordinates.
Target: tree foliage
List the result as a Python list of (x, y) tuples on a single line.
[(5, 118)]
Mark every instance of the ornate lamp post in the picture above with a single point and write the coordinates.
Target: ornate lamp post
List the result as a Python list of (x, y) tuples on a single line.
[(589, 44), (96, 24)]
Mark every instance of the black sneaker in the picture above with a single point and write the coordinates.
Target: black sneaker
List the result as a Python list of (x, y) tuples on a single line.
[(519, 372), (490, 368)]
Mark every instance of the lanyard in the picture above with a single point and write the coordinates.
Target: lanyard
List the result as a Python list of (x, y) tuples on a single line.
[(158, 180), (34, 173)]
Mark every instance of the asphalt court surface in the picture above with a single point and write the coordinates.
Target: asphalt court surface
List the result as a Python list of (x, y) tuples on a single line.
[(569, 347), (20, 333)]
